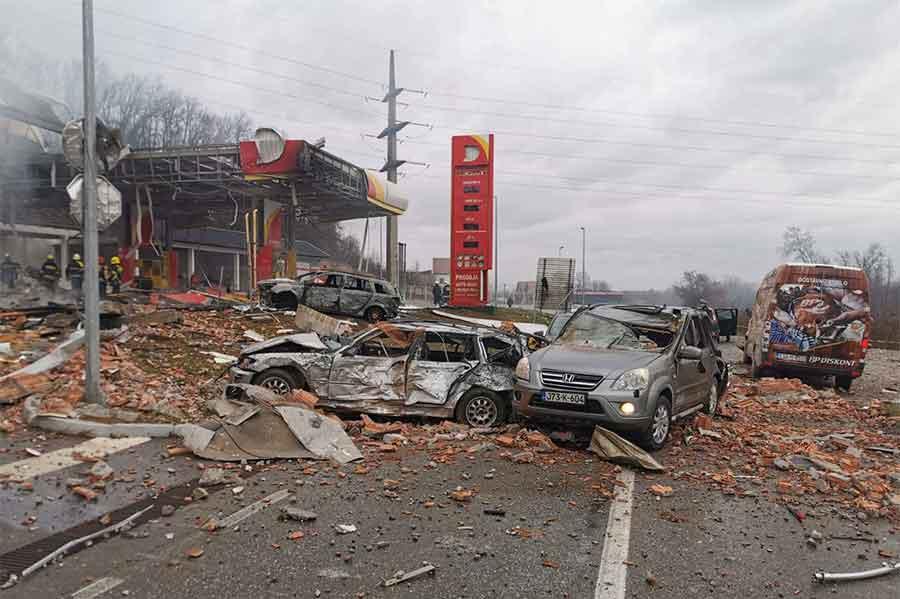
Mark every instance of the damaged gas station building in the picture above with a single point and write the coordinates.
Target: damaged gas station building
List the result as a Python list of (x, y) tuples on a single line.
[(211, 215)]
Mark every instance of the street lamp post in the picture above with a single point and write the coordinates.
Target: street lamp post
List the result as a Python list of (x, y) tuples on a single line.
[(92, 391), (583, 268)]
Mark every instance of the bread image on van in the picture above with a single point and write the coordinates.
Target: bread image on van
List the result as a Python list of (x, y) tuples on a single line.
[(810, 320)]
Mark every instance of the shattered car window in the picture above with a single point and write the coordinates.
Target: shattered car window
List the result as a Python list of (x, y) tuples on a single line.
[(594, 331), (380, 346), (557, 324), (384, 288), (442, 347), (356, 284), (326, 280), (501, 351)]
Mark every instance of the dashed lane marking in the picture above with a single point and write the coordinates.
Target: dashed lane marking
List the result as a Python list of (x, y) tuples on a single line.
[(244, 513), (613, 569), (63, 458), (97, 588)]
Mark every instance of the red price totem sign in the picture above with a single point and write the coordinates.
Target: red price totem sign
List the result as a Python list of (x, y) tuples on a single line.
[(471, 219)]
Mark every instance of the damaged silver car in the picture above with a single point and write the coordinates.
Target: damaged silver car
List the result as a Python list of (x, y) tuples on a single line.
[(411, 368), (334, 293), (629, 368)]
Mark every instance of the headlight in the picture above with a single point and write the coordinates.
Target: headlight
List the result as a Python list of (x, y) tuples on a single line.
[(523, 369), (245, 362), (633, 380)]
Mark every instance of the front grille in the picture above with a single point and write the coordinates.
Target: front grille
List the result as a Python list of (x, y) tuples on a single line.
[(569, 381)]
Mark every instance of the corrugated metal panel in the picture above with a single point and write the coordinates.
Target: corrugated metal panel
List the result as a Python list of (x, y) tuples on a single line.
[(554, 283)]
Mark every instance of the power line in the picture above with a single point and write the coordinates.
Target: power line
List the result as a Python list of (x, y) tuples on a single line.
[(715, 132), (656, 195), (504, 114), (650, 115), (235, 44), (679, 164), (250, 86), (636, 144), (231, 43)]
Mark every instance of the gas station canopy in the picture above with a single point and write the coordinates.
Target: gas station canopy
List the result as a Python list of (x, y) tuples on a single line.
[(324, 187)]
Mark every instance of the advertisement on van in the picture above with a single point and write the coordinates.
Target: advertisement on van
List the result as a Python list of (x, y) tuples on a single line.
[(818, 322)]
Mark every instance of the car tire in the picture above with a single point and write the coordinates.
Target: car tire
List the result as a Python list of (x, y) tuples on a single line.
[(711, 406), (481, 408), (657, 432), (375, 314), (277, 380), (843, 382)]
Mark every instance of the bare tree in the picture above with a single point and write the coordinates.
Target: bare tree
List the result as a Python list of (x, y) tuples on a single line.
[(800, 245), (696, 286)]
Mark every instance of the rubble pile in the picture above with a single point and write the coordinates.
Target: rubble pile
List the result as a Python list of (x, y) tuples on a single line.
[(155, 367), (449, 443), (784, 439)]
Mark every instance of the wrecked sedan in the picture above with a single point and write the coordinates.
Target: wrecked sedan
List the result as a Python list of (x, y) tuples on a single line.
[(413, 368), (334, 293), (629, 368)]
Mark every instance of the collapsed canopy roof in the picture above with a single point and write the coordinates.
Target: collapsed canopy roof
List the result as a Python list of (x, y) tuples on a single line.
[(325, 188)]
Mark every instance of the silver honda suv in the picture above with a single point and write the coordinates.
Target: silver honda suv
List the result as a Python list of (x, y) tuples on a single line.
[(629, 368)]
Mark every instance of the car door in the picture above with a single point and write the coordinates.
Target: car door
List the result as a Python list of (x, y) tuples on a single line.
[(355, 295), (708, 340), (438, 360), (691, 377), (371, 369), (324, 292), (728, 321)]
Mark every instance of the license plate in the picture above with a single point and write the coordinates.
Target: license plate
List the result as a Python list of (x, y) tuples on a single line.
[(577, 399)]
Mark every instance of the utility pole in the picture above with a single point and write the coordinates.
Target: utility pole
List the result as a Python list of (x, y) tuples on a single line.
[(393, 226), (583, 267), (92, 392), (391, 165)]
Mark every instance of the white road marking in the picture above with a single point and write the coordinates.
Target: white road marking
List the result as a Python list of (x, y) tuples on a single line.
[(97, 588), (613, 569), (244, 513), (63, 458)]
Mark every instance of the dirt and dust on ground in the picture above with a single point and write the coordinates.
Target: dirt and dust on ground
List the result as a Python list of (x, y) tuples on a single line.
[(774, 437), (777, 441)]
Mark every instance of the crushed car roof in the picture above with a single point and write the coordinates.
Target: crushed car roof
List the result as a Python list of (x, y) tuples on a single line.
[(657, 317)]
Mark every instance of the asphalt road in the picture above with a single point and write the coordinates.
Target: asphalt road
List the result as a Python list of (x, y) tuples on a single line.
[(693, 542), (549, 542)]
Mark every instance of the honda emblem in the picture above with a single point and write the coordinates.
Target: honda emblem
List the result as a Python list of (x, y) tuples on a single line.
[(569, 378)]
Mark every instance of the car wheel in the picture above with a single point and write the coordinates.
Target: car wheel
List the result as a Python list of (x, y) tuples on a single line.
[(712, 399), (277, 380), (375, 314), (843, 382), (481, 408), (657, 431)]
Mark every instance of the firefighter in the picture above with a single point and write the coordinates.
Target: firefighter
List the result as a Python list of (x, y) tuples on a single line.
[(115, 274), (9, 272), (102, 275), (436, 293), (75, 272), (50, 272)]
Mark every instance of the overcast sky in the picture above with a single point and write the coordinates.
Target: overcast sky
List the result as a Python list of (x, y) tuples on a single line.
[(701, 129)]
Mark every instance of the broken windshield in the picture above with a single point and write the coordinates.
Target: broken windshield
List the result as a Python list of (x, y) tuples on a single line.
[(590, 330)]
